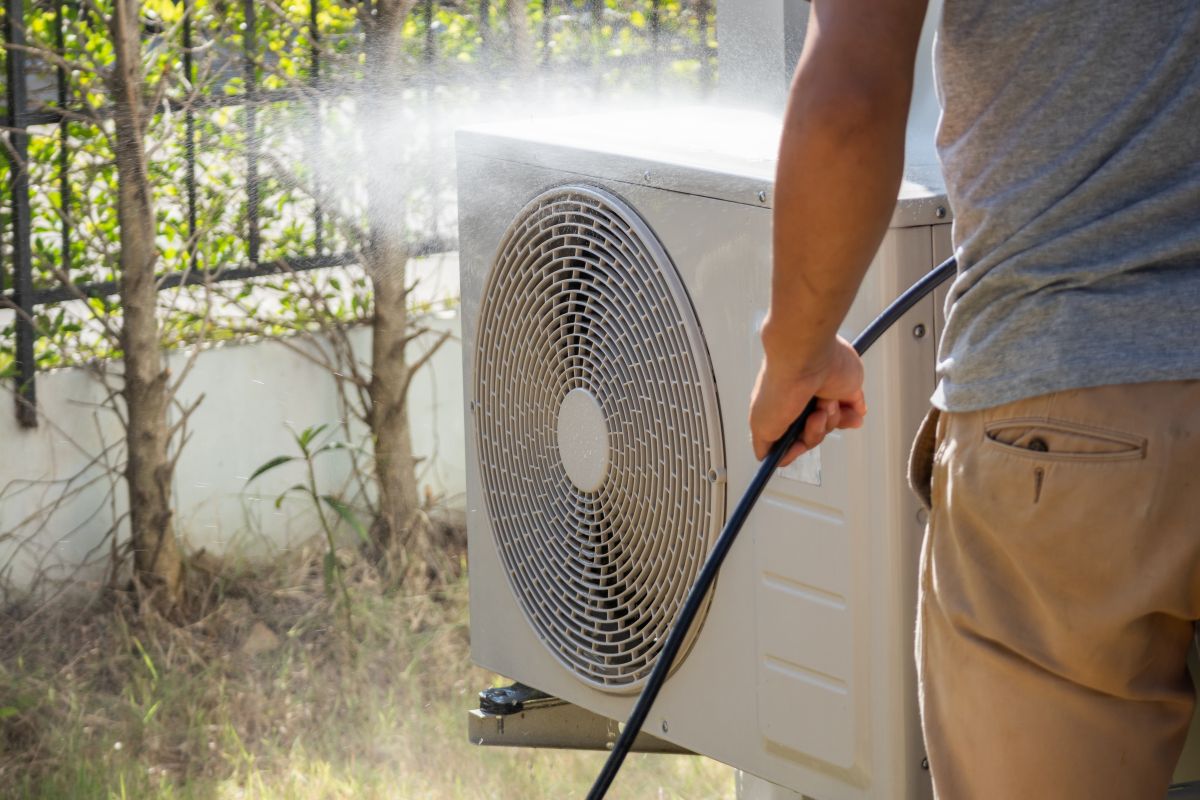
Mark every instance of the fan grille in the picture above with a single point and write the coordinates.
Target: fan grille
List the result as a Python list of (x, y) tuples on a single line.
[(598, 432)]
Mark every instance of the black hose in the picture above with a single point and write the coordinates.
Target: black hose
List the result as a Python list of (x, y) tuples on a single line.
[(733, 526)]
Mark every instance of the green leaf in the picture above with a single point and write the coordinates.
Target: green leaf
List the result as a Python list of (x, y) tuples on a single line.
[(345, 513), (308, 434), (295, 487), (9, 711), (149, 715), (149, 662), (270, 465)]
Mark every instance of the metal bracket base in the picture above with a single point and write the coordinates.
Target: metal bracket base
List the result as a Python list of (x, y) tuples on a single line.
[(525, 717)]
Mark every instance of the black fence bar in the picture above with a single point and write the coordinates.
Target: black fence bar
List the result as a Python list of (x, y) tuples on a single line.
[(262, 97), (189, 125), (656, 62), (485, 22), (64, 140), (703, 11), (173, 280), (655, 25), (545, 32), (3, 271), (250, 48), (428, 13), (21, 298), (314, 36)]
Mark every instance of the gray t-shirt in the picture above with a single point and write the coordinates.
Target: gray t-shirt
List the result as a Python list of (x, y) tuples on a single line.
[(1070, 143)]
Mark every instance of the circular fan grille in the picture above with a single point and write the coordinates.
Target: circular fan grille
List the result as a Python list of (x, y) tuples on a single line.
[(598, 432)]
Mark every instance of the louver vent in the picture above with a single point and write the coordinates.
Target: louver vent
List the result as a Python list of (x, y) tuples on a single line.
[(598, 430)]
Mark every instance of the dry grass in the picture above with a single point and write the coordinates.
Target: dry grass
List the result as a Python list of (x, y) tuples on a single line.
[(98, 703)]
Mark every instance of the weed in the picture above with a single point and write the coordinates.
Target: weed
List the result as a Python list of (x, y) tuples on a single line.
[(97, 702), (332, 568)]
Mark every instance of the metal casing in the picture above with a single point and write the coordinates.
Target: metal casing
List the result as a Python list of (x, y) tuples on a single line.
[(802, 672)]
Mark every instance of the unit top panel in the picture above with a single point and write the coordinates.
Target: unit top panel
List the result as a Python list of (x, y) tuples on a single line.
[(724, 153)]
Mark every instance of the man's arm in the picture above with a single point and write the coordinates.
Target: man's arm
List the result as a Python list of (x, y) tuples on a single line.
[(840, 163)]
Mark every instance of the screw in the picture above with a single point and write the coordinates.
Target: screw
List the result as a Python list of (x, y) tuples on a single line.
[(924, 763), (646, 175), (940, 212), (762, 197), (664, 726), (919, 331)]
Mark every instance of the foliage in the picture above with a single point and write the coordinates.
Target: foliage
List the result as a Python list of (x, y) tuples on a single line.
[(256, 146)]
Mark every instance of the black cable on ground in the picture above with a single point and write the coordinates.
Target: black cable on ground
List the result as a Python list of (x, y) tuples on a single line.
[(733, 527)]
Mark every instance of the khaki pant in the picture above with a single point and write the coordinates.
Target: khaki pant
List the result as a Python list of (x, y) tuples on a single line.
[(1060, 580)]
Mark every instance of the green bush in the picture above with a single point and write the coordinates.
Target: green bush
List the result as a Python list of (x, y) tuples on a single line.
[(302, 71)]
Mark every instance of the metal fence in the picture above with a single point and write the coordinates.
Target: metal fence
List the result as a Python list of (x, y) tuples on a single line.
[(58, 112)]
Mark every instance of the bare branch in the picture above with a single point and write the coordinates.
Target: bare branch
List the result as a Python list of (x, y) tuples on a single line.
[(422, 360), (51, 57)]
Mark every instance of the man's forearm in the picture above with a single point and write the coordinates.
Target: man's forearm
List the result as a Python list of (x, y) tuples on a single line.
[(840, 164)]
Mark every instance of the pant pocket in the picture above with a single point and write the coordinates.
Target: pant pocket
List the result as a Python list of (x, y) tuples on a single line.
[(1059, 440), (920, 459)]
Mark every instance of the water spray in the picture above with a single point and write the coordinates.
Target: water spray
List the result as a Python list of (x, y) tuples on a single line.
[(733, 526)]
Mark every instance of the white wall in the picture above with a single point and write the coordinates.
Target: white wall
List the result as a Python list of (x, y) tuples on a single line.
[(760, 44), (57, 501)]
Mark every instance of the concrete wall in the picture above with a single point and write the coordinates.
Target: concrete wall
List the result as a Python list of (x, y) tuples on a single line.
[(59, 499)]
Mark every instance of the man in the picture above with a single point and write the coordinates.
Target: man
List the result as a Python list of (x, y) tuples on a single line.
[(1060, 576)]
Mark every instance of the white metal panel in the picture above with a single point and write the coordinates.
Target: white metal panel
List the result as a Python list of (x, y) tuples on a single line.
[(943, 248), (838, 562), (720, 153)]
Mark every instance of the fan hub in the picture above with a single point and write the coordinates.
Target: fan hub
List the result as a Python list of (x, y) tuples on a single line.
[(583, 440)]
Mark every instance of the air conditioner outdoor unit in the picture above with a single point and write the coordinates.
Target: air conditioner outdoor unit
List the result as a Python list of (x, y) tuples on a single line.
[(615, 270)]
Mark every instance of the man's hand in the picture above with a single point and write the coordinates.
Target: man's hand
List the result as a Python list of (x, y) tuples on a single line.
[(785, 386)]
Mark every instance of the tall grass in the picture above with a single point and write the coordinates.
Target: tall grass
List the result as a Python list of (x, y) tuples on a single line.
[(100, 703)]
